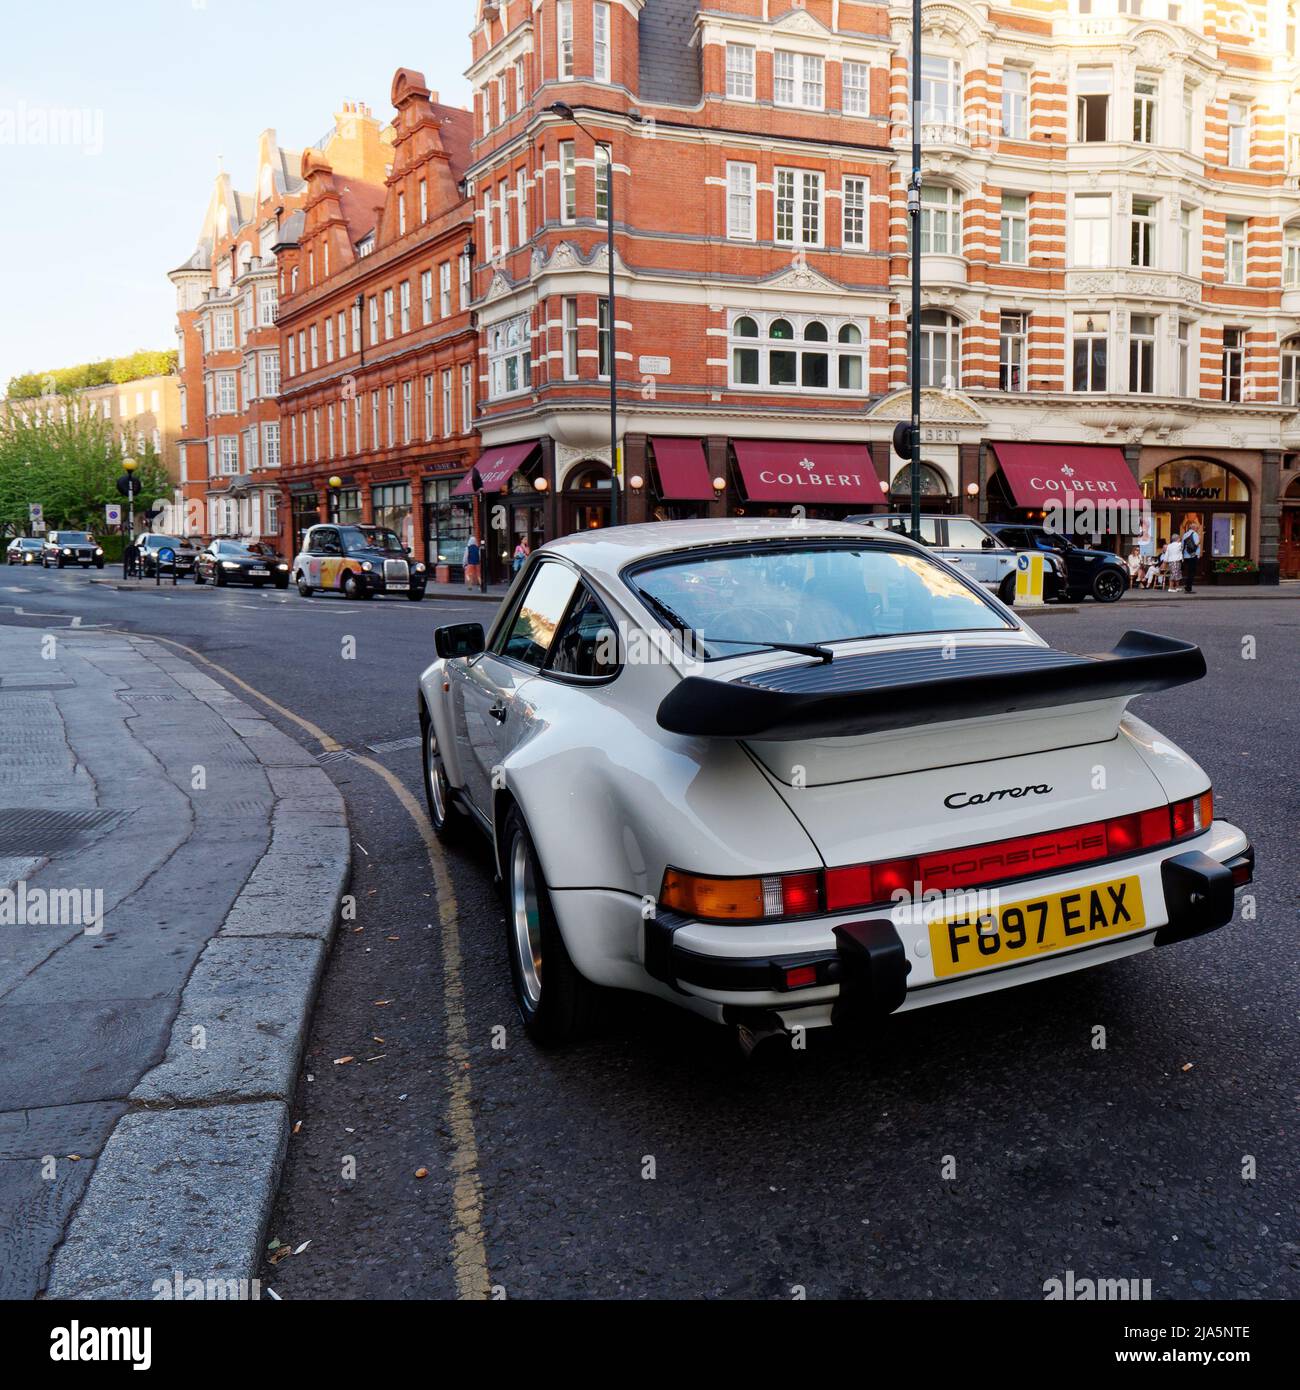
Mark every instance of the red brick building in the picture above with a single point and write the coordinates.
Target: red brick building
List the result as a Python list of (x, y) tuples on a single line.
[(227, 300), (1110, 257), (377, 346), (751, 174)]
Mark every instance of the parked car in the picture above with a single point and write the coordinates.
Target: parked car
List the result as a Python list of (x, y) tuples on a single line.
[(1097, 572), (241, 562), (973, 547), (148, 546), (358, 562), (62, 548), (797, 774), (24, 550)]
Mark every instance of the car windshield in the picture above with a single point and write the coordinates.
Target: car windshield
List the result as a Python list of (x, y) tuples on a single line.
[(160, 541), (370, 538), (74, 538), (809, 594)]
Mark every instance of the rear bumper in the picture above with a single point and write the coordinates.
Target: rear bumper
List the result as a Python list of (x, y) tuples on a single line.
[(864, 968)]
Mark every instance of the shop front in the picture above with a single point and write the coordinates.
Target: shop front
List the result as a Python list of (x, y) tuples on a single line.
[(935, 497), (826, 482), (304, 510), (1087, 491), (1207, 495), (680, 486), (1288, 549), (390, 506), (448, 525), (506, 504)]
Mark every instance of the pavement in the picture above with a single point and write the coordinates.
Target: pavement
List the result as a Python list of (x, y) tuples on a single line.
[(973, 1151), (149, 1040)]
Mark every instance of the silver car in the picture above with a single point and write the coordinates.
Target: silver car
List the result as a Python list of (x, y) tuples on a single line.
[(974, 549), (788, 775)]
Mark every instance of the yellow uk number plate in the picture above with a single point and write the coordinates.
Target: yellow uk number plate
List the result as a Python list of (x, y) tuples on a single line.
[(1020, 931)]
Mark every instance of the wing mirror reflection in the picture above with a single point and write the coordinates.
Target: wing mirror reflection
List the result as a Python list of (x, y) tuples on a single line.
[(459, 639)]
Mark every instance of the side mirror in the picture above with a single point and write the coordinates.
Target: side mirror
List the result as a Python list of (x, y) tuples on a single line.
[(460, 639)]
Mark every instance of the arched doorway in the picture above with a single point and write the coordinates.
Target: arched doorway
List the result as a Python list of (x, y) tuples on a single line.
[(584, 502), (1288, 547), (1212, 497), (935, 496)]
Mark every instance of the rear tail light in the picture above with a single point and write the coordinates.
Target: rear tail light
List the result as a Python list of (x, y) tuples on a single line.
[(851, 886)]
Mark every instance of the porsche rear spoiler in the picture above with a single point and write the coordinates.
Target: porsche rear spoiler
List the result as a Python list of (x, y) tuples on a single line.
[(877, 692)]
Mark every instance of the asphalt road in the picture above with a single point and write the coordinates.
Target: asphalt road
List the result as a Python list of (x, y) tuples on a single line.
[(974, 1150)]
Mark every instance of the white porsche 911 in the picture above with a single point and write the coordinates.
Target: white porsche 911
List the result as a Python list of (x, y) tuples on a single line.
[(793, 774)]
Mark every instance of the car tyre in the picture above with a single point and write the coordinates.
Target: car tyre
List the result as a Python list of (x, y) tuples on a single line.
[(556, 1004), (1007, 590), (99, 564), (304, 588), (445, 816), (1109, 586), (282, 583), (198, 578), (351, 589), (219, 578), (415, 595)]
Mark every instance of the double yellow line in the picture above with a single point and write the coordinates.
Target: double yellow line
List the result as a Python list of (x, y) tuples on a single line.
[(469, 1252)]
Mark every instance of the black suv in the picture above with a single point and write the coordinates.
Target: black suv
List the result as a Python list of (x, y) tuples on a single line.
[(148, 547), (1095, 572), (71, 548)]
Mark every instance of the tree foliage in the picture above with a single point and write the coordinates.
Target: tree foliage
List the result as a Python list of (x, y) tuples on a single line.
[(111, 371), (71, 467)]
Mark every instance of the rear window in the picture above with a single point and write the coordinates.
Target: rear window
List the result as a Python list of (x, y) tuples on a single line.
[(73, 538), (734, 601)]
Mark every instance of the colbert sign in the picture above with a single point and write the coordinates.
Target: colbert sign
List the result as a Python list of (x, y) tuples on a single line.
[(800, 471), (1041, 473)]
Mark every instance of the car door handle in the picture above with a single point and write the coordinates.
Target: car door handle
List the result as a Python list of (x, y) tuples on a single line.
[(499, 712)]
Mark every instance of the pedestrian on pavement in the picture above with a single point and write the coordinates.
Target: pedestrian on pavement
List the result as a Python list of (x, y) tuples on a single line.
[(1154, 564), (472, 563), (522, 551), (130, 560), (1191, 556), (1174, 559), (1134, 567)]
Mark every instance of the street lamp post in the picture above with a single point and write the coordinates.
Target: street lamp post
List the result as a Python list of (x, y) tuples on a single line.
[(333, 484), (128, 467), (564, 110)]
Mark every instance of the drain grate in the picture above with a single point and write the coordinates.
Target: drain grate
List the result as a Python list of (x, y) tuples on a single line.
[(396, 745), (136, 697), (25, 830)]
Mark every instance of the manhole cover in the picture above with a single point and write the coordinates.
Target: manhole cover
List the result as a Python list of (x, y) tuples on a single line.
[(24, 830)]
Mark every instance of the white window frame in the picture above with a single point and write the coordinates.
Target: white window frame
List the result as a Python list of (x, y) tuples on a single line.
[(228, 455), (855, 199), (742, 201), (838, 350), (404, 298), (941, 91), (569, 339), (739, 62), (444, 289), (797, 204), (509, 356), (271, 444), (1146, 109), (798, 80), (270, 372), (564, 39), (426, 296), (1136, 342), (1013, 351), (227, 393), (568, 182), (601, 42), (1015, 104), (448, 424), (1013, 229), (941, 220), (1091, 385), (1091, 248), (1237, 118), (1234, 251), (855, 88), (1142, 233)]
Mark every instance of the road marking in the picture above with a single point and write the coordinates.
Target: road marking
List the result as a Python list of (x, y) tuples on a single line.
[(469, 1250)]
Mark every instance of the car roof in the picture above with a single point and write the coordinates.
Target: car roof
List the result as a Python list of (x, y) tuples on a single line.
[(606, 551)]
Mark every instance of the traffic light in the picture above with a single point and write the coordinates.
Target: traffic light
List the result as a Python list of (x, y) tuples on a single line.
[(903, 439)]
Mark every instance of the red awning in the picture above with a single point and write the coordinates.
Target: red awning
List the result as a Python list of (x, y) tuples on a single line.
[(497, 466), (683, 470), (787, 470), (1041, 473)]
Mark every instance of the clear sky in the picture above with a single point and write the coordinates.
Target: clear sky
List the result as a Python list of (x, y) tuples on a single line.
[(113, 118)]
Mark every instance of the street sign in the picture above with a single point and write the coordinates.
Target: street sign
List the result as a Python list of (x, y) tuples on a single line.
[(1029, 580), (112, 514), (36, 515)]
